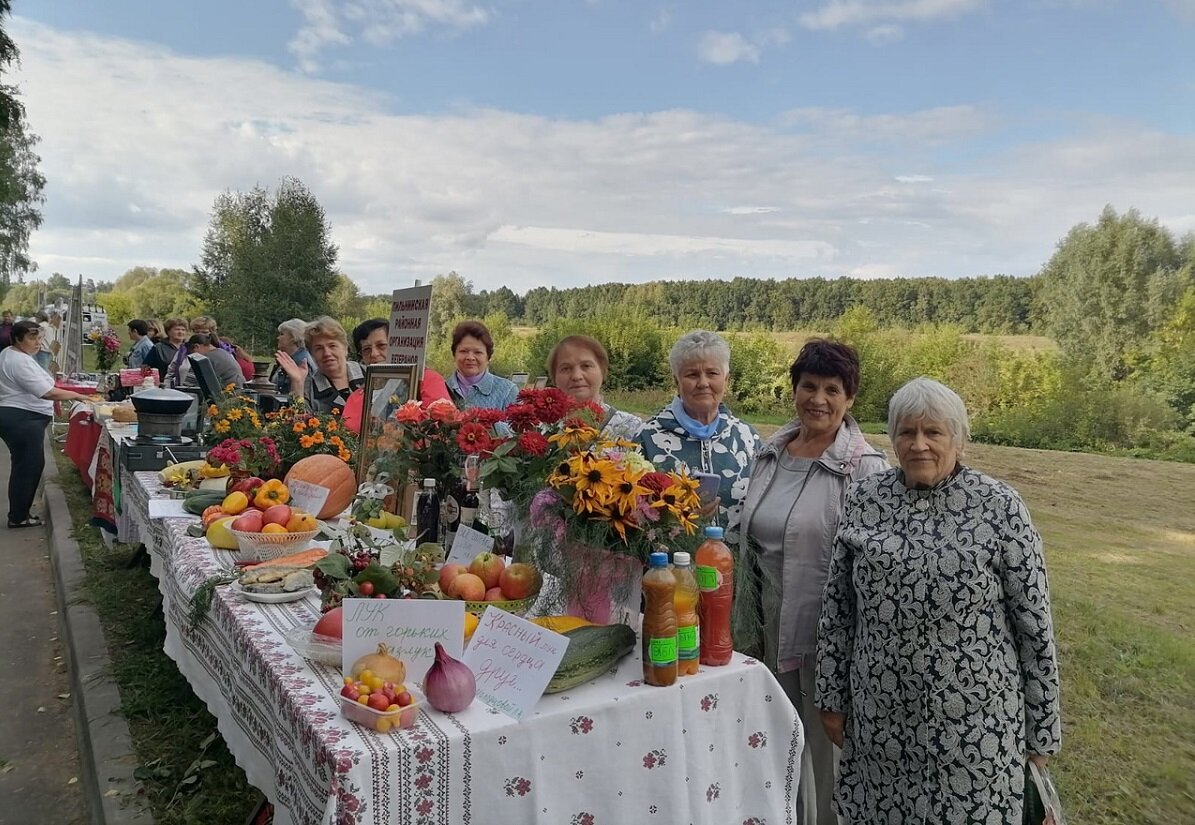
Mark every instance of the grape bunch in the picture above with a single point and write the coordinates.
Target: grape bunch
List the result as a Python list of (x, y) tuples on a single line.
[(360, 560)]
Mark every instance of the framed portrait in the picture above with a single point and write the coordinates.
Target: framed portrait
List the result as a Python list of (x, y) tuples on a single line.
[(387, 387), (541, 382)]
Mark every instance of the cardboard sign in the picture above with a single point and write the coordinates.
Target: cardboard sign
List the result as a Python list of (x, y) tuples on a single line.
[(408, 327), (513, 661), (467, 544), (308, 497), (410, 628)]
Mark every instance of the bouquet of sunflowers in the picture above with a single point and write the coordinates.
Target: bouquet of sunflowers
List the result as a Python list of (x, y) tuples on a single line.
[(299, 433), (605, 509), (234, 416)]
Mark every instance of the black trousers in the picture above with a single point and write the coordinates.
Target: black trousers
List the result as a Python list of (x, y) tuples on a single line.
[(25, 434)]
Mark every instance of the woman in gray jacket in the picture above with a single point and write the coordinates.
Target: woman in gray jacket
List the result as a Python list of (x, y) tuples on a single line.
[(789, 519)]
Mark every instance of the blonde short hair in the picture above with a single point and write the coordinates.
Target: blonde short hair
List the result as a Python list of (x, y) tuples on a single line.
[(325, 327)]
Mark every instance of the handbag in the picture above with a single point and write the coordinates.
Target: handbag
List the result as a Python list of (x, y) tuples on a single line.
[(1042, 806)]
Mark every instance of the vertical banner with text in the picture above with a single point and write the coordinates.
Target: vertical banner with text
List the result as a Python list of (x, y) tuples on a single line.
[(409, 309)]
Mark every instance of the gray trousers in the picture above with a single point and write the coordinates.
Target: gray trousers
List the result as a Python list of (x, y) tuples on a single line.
[(819, 760)]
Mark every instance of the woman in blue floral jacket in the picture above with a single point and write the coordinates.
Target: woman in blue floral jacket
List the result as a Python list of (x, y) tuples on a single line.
[(697, 431)]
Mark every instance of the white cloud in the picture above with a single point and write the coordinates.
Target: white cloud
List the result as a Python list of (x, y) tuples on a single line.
[(839, 13), (328, 23), (524, 200), (887, 33), (724, 48)]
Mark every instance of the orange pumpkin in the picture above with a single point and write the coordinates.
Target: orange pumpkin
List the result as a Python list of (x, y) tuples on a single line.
[(331, 473)]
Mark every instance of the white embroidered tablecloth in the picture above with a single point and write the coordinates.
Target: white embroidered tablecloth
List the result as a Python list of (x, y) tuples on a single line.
[(719, 747)]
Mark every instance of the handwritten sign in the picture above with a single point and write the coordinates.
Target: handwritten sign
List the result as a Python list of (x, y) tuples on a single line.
[(513, 661), (467, 544), (408, 327), (410, 628), (167, 508), (308, 497)]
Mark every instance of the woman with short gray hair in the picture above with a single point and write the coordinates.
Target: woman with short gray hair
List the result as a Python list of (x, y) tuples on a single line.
[(698, 432), (936, 665), (291, 341)]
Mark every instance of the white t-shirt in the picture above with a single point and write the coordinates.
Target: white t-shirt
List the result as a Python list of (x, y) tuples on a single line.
[(23, 382), (47, 336)]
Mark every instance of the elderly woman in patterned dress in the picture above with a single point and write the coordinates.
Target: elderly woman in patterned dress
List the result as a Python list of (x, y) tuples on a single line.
[(936, 664), (698, 431)]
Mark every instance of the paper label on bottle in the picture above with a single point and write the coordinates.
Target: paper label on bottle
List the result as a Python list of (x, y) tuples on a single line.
[(686, 641), (662, 651), (708, 578)]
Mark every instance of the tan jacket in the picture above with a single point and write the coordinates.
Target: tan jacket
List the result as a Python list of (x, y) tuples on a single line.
[(791, 634)]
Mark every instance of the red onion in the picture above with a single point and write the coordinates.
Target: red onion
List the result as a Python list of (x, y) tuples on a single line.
[(449, 684)]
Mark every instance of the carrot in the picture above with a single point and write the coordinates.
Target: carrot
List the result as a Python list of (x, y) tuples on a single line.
[(304, 558)]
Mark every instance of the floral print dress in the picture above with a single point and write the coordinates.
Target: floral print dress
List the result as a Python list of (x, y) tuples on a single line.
[(937, 642), (729, 453)]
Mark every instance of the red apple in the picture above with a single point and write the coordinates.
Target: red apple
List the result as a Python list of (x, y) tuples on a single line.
[(519, 581), (278, 514), (449, 572), (248, 486), (494, 594), (487, 567), (248, 522), (468, 587), (378, 701), (331, 624)]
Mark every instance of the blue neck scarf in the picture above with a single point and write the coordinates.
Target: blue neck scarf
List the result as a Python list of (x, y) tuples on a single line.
[(690, 424)]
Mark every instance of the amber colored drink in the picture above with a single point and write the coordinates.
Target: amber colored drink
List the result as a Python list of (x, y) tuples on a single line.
[(688, 645), (659, 622), (715, 577)]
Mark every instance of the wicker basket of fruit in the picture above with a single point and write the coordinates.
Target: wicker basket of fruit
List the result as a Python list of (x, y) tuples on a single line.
[(488, 580), (266, 546)]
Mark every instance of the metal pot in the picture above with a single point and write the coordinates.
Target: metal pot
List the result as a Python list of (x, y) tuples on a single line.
[(162, 402)]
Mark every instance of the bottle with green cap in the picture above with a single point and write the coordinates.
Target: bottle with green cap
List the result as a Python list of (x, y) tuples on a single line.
[(659, 622), (715, 578), (685, 600)]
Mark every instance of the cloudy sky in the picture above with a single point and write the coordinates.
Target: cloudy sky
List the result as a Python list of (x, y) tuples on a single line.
[(564, 142)]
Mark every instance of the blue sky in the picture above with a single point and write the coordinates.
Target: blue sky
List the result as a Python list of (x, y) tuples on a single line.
[(532, 142)]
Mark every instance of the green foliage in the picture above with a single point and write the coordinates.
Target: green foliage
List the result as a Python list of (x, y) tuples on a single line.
[(759, 375), (1169, 363), (1104, 290), (21, 186), (259, 247), (147, 292)]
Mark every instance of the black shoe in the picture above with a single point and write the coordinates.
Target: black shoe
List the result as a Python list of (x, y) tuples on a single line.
[(32, 521)]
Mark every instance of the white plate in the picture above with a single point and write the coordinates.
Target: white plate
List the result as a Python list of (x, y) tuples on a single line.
[(270, 598)]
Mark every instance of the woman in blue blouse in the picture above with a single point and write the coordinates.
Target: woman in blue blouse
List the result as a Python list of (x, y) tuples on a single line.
[(473, 385)]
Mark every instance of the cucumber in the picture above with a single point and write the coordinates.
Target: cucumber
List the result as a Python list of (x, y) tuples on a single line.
[(196, 501), (591, 652)]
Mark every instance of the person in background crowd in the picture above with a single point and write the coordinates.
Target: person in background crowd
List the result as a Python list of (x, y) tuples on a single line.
[(290, 341), (696, 430), (164, 352), (579, 365), (45, 339), (239, 354), (937, 672), (203, 325), (789, 517), (156, 332), (371, 340), (6, 329), (27, 396), (473, 385), (329, 378), (200, 325), (142, 343), (226, 368)]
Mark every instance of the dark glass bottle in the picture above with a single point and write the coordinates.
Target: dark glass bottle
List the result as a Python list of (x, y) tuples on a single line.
[(427, 513)]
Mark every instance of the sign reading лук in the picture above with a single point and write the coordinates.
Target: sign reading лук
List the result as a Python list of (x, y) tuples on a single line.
[(409, 309), (410, 629)]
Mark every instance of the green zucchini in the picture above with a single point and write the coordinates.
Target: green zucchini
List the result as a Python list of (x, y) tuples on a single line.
[(591, 652), (196, 501)]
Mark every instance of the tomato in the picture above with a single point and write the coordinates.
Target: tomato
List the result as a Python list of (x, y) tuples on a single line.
[(365, 588)]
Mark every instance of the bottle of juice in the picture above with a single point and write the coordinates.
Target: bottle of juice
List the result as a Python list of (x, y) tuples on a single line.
[(685, 601), (659, 622), (715, 578)]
